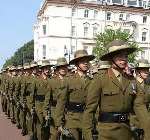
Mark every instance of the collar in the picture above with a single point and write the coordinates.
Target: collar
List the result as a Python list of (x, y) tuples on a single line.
[(139, 79), (117, 73)]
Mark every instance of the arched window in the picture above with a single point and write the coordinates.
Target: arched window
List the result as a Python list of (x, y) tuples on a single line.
[(86, 29)]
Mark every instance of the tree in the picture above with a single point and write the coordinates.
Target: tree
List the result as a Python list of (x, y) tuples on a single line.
[(25, 54), (103, 39)]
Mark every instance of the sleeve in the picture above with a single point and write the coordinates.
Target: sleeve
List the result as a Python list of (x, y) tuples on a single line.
[(92, 103), (142, 113), (61, 103), (48, 92)]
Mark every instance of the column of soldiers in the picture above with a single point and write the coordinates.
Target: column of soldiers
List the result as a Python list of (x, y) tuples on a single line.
[(111, 103)]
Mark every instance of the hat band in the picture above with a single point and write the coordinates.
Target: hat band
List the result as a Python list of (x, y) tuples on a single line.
[(114, 48), (143, 65)]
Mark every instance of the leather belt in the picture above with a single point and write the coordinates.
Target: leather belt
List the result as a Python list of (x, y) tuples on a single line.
[(54, 103), (114, 117), (40, 98), (76, 107)]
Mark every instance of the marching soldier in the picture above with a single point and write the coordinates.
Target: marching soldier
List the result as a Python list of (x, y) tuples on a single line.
[(25, 92), (142, 72), (116, 94), (12, 84), (31, 101), (72, 96), (41, 90), (7, 91), (18, 95), (54, 83)]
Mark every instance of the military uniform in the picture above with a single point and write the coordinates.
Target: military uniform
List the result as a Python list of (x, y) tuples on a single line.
[(116, 95), (25, 92), (18, 98), (72, 96), (51, 97), (144, 88), (12, 84)]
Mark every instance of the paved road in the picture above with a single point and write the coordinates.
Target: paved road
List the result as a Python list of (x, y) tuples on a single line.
[(8, 131)]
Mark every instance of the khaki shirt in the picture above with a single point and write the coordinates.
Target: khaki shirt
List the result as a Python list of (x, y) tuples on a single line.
[(110, 95)]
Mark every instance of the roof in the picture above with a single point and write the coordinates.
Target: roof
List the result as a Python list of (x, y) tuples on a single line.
[(94, 5)]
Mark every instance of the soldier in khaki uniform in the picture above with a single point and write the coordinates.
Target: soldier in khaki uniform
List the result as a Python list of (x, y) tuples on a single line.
[(72, 96), (31, 117), (7, 91), (116, 95), (4, 95), (12, 84), (142, 72), (41, 90), (61, 69), (18, 95), (25, 92)]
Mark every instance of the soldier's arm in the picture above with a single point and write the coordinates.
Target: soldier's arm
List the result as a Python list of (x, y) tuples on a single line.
[(92, 103), (142, 113), (48, 92), (61, 102)]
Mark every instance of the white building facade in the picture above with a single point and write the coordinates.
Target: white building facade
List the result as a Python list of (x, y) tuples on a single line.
[(64, 26)]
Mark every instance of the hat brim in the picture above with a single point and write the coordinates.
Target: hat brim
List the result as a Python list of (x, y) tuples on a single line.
[(58, 66), (108, 56), (42, 66), (89, 57)]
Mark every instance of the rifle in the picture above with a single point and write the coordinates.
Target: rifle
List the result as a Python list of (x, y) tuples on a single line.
[(49, 116), (138, 133), (94, 130)]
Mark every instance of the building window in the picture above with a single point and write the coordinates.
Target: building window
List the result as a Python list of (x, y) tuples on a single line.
[(140, 3), (132, 2), (144, 4), (73, 12), (73, 49), (108, 16), (128, 17), (144, 36), (86, 29), (73, 32), (121, 17), (44, 29), (144, 19), (86, 13), (94, 31), (44, 51), (95, 13), (117, 1)]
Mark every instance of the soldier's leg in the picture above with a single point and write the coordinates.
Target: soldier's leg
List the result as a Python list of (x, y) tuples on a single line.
[(17, 114), (24, 124), (76, 133), (8, 108), (53, 133)]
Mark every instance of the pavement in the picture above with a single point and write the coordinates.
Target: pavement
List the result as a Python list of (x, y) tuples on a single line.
[(8, 131)]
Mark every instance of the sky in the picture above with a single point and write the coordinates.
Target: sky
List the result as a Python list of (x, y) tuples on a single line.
[(17, 18)]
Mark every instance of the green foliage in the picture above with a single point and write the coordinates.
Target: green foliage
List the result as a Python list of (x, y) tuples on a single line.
[(22, 55), (103, 39)]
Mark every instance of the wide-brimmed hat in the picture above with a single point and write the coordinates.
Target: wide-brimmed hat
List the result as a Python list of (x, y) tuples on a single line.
[(104, 65), (61, 62), (26, 66), (80, 54), (46, 63), (33, 64), (12, 68), (19, 67), (115, 47), (142, 64)]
